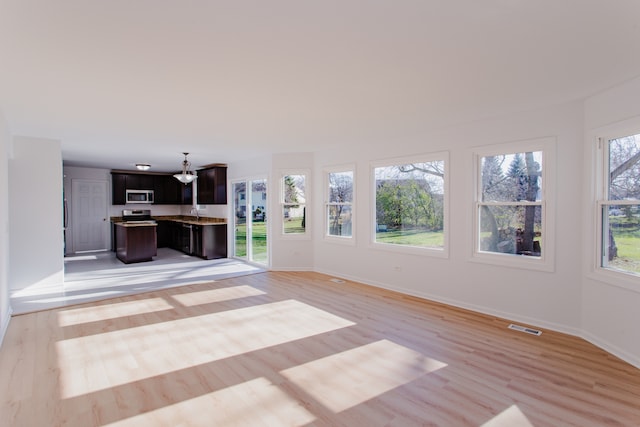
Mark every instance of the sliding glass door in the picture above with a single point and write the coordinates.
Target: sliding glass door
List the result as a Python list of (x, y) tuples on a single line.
[(250, 220)]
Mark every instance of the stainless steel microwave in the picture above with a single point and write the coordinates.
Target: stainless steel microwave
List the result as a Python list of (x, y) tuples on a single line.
[(139, 196)]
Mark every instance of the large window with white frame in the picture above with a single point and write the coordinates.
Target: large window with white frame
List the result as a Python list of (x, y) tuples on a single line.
[(619, 204), (513, 199), (411, 203), (294, 203), (339, 202)]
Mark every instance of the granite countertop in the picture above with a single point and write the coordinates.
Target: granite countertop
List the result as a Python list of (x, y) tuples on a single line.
[(186, 219), (189, 219)]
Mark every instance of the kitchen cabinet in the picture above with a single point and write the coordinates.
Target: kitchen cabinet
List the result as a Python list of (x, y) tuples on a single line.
[(167, 190), (212, 186), (139, 181), (135, 243), (118, 188), (209, 241)]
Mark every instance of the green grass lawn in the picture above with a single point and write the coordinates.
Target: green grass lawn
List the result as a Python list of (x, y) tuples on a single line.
[(258, 241), (293, 226), (427, 239)]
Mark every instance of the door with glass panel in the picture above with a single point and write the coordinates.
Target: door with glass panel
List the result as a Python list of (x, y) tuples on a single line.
[(239, 190), (250, 220)]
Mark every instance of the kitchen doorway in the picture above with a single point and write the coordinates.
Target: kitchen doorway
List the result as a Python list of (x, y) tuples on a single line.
[(88, 221), (250, 223)]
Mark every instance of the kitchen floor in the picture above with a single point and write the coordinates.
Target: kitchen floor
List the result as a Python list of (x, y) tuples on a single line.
[(95, 276)]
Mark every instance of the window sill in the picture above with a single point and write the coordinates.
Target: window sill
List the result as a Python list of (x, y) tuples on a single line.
[(349, 241), (513, 261), (410, 250), (614, 278)]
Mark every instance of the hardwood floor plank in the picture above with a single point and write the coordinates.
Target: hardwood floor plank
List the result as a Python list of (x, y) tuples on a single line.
[(295, 349)]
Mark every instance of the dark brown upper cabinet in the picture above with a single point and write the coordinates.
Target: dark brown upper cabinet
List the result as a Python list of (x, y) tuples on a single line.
[(212, 186), (166, 189)]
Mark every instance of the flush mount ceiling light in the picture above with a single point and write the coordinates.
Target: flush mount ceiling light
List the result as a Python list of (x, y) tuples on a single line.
[(186, 176), (143, 166)]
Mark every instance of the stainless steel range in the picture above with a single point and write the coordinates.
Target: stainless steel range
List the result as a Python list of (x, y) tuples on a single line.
[(137, 216)]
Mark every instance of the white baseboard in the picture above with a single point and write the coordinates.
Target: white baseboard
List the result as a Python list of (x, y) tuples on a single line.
[(294, 269), (610, 348), (537, 323), (5, 325)]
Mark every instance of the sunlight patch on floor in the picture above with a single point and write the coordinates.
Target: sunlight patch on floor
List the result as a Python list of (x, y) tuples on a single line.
[(114, 310), (346, 379), (510, 417), (208, 296), (99, 361), (253, 403)]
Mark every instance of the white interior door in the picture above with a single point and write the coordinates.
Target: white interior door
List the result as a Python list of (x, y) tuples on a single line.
[(89, 215)]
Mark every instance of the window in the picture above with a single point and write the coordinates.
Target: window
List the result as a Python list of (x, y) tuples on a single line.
[(512, 200), (294, 204), (619, 205), (410, 201), (339, 204)]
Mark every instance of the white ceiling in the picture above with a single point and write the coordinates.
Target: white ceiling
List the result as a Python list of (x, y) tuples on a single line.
[(125, 81)]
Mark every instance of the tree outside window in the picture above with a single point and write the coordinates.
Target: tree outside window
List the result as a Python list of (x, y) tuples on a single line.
[(620, 205), (511, 205), (410, 203), (294, 204), (339, 208)]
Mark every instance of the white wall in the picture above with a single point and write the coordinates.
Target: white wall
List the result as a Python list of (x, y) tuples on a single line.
[(5, 309), (35, 214), (610, 312), (548, 300), (290, 252)]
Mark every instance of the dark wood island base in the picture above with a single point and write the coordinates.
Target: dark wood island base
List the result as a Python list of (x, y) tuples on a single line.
[(135, 242)]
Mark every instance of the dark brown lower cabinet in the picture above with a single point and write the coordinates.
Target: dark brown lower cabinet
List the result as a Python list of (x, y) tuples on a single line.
[(135, 243), (210, 241)]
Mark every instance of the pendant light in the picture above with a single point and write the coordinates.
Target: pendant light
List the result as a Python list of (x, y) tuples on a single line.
[(186, 176)]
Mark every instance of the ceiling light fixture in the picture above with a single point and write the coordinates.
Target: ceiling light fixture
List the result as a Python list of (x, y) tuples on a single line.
[(143, 166), (186, 176)]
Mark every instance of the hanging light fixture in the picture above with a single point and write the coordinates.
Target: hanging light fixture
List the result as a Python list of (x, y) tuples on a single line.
[(186, 176)]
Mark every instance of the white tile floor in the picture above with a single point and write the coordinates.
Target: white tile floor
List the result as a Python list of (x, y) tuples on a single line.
[(90, 277)]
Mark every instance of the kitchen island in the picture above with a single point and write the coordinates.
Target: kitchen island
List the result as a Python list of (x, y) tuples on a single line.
[(135, 242)]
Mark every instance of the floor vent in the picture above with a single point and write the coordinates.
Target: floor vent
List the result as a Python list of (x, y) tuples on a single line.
[(524, 329), (334, 280)]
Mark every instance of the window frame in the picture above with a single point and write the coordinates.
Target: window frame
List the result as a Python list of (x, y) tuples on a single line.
[(546, 261), (307, 191), (601, 197), (327, 171), (409, 249)]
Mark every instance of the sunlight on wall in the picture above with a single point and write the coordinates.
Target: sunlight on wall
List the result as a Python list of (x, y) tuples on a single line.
[(216, 295), (376, 368), (268, 405), (104, 360), (51, 283), (512, 416), (112, 310)]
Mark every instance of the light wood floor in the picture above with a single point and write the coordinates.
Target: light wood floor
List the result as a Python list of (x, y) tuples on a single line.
[(295, 349)]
